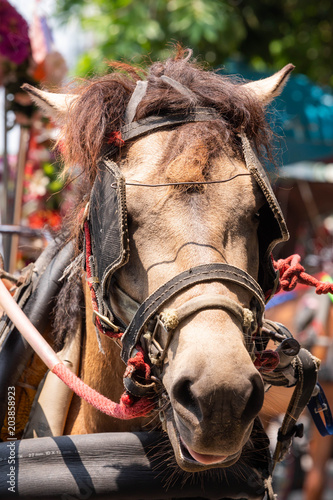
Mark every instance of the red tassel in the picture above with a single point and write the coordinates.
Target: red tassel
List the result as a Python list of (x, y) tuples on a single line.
[(115, 138)]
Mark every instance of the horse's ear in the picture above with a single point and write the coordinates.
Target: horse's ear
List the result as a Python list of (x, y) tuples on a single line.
[(269, 88), (55, 106)]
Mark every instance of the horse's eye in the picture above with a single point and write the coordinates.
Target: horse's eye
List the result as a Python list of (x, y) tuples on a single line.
[(256, 217)]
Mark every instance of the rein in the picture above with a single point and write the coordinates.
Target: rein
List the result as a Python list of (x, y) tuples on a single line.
[(54, 363)]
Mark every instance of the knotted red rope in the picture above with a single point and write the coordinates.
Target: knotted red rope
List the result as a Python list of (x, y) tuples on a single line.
[(138, 366), (292, 272), (116, 139)]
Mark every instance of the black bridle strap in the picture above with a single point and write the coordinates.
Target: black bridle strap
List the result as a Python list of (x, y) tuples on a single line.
[(153, 123), (199, 274)]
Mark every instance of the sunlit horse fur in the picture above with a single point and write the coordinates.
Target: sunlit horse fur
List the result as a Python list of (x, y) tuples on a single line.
[(214, 392)]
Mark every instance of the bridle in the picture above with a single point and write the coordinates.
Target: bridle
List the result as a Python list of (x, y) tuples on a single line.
[(145, 328), (152, 317)]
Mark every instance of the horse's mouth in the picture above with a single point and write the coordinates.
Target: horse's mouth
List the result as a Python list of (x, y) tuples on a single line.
[(192, 461)]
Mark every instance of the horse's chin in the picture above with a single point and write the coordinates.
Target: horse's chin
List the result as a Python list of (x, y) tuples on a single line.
[(191, 461)]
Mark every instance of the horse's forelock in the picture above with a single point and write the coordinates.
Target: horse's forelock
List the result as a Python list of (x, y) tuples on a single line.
[(240, 109), (190, 153)]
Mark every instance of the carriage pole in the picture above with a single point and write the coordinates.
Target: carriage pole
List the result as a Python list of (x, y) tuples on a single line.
[(27, 329)]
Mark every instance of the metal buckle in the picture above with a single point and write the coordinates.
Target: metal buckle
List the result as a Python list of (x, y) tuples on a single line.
[(320, 407), (161, 353), (105, 320)]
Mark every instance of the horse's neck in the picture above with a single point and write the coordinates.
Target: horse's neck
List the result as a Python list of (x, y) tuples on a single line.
[(104, 373)]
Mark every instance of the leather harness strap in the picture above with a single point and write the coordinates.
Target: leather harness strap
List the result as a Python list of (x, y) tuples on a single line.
[(212, 301), (306, 368), (199, 274), (142, 127), (169, 319)]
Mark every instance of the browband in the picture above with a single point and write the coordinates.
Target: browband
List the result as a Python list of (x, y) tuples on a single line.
[(141, 127)]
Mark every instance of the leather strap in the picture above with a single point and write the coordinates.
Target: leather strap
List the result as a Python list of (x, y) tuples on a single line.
[(257, 170), (200, 274), (142, 127), (179, 87), (169, 319), (306, 367), (136, 98), (211, 301)]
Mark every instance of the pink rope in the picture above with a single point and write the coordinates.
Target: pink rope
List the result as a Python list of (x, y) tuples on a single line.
[(117, 410), (292, 272)]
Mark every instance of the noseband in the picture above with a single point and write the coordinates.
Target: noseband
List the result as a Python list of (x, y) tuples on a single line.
[(155, 303), (169, 319)]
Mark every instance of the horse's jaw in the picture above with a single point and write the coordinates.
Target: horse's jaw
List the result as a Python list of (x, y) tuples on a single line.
[(215, 392), (191, 461)]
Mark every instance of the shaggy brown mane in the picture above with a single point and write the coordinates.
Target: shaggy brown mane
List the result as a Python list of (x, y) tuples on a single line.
[(101, 105)]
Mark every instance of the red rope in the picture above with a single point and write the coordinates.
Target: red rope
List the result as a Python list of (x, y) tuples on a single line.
[(120, 410), (267, 360), (138, 366), (292, 272), (116, 139)]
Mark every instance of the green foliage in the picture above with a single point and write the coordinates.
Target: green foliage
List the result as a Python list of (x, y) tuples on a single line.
[(266, 33), (297, 31)]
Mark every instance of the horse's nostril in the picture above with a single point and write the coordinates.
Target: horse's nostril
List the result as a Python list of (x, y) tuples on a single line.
[(195, 401), (255, 400), (183, 394)]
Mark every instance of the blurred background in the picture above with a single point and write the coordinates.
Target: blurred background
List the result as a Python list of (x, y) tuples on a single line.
[(49, 42)]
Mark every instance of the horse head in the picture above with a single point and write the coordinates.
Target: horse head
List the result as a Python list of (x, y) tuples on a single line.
[(200, 225)]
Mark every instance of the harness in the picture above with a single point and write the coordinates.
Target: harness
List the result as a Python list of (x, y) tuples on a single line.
[(107, 250)]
